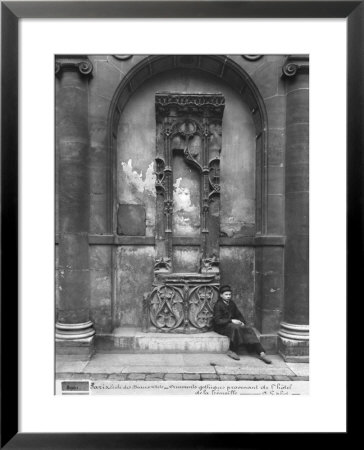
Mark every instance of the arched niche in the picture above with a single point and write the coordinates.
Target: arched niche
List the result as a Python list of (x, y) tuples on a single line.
[(133, 108), (220, 67)]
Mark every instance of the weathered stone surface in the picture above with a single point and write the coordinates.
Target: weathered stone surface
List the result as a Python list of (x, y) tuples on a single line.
[(132, 283), (79, 350), (275, 180), (73, 251), (117, 376), (168, 369), (297, 252), (98, 111), (131, 220), (276, 146), (98, 214), (209, 376), (98, 376), (100, 299), (256, 371), (191, 376), (296, 295), (80, 376), (299, 81), (100, 257), (238, 178), (271, 320), (275, 223), (227, 377), (272, 291), (249, 66), (265, 77), (269, 343), (105, 80), (297, 107), (186, 259), (297, 213), (263, 377), (99, 170), (272, 260), (155, 376), (300, 369), (297, 179), (173, 376), (244, 377), (297, 217), (297, 144), (281, 378), (74, 291), (276, 110), (136, 376), (237, 270), (135, 340), (67, 366), (125, 65), (293, 350), (73, 190)]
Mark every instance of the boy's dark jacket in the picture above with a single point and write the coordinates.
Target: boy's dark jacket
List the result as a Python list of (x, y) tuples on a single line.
[(223, 314)]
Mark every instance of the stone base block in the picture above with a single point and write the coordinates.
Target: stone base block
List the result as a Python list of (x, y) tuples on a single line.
[(134, 340), (83, 349), (293, 350), (269, 343)]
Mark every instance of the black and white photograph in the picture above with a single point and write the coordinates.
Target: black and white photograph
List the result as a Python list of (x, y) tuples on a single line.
[(182, 224)]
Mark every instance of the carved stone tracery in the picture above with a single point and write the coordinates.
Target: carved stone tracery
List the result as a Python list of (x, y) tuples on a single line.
[(191, 125)]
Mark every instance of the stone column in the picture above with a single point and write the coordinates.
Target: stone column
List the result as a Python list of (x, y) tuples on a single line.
[(293, 336), (74, 330)]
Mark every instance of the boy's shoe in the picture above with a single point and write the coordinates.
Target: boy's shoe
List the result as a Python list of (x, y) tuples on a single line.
[(264, 358), (232, 355)]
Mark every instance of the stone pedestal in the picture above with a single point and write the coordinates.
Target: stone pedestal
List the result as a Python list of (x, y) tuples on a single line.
[(181, 303), (74, 330), (293, 336), (293, 342), (132, 340)]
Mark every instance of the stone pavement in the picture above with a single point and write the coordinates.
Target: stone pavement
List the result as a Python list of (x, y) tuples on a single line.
[(179, 366)]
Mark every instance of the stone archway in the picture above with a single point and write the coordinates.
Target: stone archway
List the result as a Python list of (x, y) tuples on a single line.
[(218, 67), (221, 67)]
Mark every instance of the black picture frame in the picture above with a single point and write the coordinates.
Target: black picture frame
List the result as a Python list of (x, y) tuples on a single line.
[(11, 12)]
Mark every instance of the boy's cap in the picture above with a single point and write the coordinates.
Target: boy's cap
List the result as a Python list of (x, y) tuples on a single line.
[(225, 288)]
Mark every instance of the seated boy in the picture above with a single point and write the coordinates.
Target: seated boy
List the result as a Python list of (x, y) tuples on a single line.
[(229, 321)]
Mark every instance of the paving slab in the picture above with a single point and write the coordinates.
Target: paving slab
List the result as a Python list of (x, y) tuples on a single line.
[(209, 376), (191, 376), (176, 365), (70, 366), (206, 359), (136, 376), (299, 369), (168, 369), (111, 362), (227, 377), (154, 376), (247, 370), (173, 376)]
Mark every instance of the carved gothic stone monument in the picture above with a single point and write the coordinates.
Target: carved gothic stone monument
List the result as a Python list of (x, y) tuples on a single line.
[(186, 271)]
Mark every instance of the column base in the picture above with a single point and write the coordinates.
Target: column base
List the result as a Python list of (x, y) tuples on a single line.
[(75, 339), (293, 342)]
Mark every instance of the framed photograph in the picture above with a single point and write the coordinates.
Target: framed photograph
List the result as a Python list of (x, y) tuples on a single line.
[(184, 211)]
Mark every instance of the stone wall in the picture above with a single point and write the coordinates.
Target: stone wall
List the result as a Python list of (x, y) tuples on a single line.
[(252, 188)]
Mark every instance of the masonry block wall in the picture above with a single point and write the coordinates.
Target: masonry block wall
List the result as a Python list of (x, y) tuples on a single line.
[(264, 184)]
